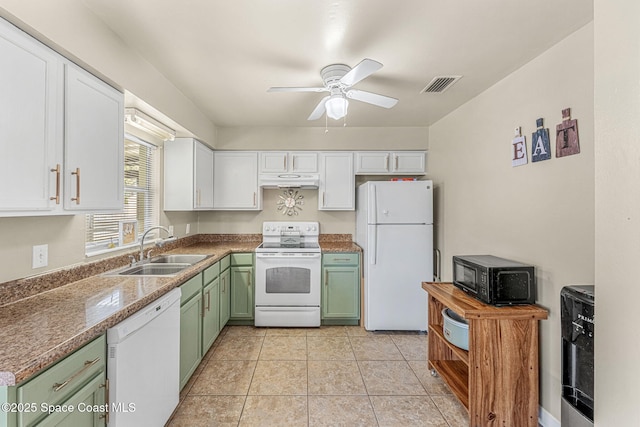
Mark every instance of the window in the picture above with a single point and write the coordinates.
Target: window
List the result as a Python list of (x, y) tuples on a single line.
[(140, 199)]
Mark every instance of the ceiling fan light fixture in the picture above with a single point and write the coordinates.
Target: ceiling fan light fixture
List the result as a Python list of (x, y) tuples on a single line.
[(336, 106)]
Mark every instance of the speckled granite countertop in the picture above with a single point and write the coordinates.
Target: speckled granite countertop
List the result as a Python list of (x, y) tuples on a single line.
[(40, 329)]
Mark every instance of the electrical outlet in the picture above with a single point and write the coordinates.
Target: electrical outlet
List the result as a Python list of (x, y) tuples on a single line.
[(188, 229), (171, 230), (40, 256)]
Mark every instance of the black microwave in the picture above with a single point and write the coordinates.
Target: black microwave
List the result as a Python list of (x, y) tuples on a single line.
[(493, 280)]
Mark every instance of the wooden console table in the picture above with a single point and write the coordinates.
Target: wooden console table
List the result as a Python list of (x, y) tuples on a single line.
[(497, 379)]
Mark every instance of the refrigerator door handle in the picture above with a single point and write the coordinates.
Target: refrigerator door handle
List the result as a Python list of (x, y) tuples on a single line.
[(373, 205), (373, 245)]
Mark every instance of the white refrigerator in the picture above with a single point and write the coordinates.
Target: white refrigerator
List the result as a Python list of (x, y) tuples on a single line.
[(394, 226)]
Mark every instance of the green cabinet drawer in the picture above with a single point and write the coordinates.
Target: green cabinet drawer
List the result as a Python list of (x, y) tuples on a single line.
[(211, 273), (225, 263), (63, 379), (341, 259), (190, 288), (242, 259)]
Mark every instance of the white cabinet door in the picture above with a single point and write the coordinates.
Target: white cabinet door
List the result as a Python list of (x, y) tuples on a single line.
[(303, 162), (273, 161), (235, 181), (94, 143), (337, 181), (188, 175), (372, 162), (203, 177), (30, 123), (409, 162)]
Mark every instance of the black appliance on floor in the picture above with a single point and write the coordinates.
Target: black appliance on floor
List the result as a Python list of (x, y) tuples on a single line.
[(578, 324)]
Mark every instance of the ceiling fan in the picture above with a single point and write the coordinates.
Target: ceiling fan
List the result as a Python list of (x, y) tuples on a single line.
[(338, 79)]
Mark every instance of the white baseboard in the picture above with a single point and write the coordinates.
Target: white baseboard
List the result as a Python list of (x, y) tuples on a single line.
[(545, 419)]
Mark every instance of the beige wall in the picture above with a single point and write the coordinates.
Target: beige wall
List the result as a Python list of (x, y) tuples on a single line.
[(617, 191), (540, 213)]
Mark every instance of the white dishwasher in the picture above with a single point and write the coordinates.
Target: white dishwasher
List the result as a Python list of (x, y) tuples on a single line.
[(143, 364)]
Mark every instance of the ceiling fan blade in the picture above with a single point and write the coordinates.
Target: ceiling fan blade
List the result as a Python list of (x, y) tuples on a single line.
[(319, 110), (364, 69), (297, 89), (372, 98)]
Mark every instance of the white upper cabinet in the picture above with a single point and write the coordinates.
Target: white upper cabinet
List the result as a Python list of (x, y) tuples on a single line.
[(283, 162), (94, 143), (188, 175), (235, 181), (390, 162), (337, 181), (61, 133), (30, 123)]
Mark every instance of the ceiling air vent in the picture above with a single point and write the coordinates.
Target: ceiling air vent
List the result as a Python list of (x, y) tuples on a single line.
[(440, 84)]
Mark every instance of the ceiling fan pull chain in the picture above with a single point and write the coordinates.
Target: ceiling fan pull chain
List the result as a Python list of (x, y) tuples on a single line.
[(326, 125)]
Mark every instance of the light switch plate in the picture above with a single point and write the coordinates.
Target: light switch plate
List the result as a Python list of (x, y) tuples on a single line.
[(40, 256), (171, 230), (188, 229)]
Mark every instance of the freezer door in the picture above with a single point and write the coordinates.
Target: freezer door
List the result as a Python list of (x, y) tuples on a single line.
[(402, 202), (398, 258)]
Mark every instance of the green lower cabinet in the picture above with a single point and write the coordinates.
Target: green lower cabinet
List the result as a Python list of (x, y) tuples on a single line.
[(77, 382), (84, 402), (190, 328), (210, 314), (242, 303), (341, 289), (225, 297)]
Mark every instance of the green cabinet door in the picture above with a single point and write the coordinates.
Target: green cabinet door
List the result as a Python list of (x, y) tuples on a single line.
[(190, 337), (225, 297), (340, 288), (84, 401), (341, 293), (242, 306), (210, 316)]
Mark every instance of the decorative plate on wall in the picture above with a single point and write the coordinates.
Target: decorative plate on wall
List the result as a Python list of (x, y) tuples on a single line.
[(290, 202)]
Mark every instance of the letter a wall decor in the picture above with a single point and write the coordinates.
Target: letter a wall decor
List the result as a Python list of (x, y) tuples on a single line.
[(567, 142), (540, 144), (519, 149)]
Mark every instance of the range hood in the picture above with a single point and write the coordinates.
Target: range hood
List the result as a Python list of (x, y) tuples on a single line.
[(288, 180)]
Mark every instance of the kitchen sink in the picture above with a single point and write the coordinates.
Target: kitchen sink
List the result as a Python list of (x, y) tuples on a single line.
[(178, 259), (151, 269), (162, 265)]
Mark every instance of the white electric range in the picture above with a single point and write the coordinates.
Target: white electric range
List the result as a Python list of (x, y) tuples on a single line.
[(288, 275)]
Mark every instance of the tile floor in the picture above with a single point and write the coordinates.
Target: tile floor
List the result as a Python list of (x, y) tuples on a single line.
[(331, 376)]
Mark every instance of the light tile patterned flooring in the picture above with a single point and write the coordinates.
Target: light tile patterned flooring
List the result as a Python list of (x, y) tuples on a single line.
[(328, 376)]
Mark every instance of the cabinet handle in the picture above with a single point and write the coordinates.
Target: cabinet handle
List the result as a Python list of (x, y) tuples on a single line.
[(386, 159), (293, 163), (323, 200), (284, 162), (326, 278), (57, 196), (209, 300), (87, 365), (396, 159), (254, 198), (106, 401), (341, 259), (77, 198)]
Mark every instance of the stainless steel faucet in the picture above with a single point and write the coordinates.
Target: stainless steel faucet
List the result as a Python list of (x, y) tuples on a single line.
[(157, 227)]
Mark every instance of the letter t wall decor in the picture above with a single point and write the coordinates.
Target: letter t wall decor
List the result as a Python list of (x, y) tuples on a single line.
[(567, 135)]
